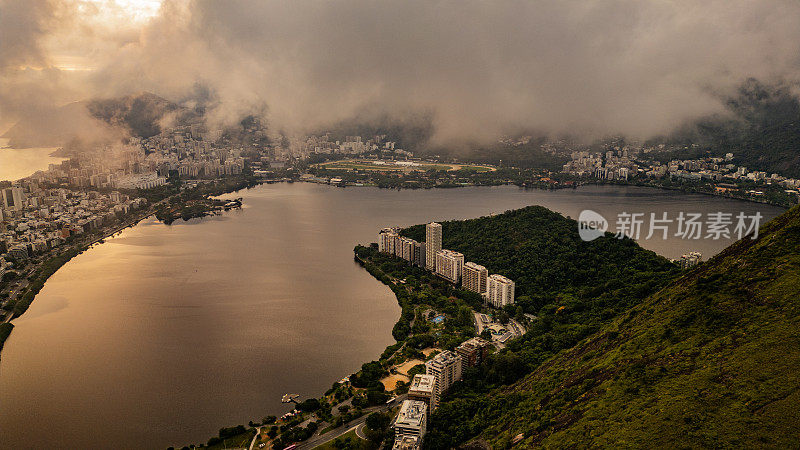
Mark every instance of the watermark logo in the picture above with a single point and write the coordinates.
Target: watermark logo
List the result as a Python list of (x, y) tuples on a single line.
[(591, 225), (714, 225)]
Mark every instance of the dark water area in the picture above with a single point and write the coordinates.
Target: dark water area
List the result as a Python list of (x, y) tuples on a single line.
[(164, 334)]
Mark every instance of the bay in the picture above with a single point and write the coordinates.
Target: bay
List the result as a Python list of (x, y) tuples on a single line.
[(16, 163)]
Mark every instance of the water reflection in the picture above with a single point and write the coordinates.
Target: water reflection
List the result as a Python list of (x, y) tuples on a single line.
[(164, 334)]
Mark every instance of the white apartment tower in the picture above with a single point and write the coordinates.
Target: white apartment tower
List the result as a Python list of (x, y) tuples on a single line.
[(500, 291), (433, 243), (446, 369), (406, 251), (449, 265), (386, 240), (474, 278)]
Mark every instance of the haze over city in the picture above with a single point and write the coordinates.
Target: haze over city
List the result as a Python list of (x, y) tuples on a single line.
[(477, 69), (399, 225)]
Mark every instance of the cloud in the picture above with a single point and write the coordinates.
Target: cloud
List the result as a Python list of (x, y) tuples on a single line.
[(479, 68), (21, 26)]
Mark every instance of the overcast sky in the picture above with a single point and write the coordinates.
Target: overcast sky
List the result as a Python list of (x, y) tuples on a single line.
[(479, 68)]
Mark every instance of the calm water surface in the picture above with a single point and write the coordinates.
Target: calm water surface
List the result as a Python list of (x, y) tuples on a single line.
[(16, 163), (164, 334)]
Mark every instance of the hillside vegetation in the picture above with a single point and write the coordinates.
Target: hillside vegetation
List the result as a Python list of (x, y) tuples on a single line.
[(542, 252), (711, 360)]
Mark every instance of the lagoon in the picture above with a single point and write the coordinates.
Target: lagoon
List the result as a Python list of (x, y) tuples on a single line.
[(164, 334)]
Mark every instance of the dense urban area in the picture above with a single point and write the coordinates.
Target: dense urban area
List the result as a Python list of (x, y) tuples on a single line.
[(455, 313)]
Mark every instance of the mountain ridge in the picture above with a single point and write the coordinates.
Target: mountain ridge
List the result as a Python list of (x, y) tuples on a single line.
[(103, 119)]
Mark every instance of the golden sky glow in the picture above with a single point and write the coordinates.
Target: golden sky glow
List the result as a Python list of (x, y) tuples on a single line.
[(99, 25)]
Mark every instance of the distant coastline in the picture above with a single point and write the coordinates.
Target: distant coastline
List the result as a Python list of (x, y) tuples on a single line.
[(552, 187)]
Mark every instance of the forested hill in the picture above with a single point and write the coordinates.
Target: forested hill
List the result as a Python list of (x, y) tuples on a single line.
[(709, 361), (542, 252)]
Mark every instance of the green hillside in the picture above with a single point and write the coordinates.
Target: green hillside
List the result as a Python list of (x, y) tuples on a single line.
[(542, 252), (709, 361)]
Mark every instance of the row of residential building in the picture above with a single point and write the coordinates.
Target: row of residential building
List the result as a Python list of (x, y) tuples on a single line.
[(34, 220), (496, 289), (622, 164), (425, 391)]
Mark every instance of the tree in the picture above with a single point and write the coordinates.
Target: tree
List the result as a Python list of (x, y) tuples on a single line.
[(309, 405), (503, 317), (360, 401), (378, 421), (377, 397), (418, 369)]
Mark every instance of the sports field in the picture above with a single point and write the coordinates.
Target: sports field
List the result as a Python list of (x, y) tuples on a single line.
[(403, 166)]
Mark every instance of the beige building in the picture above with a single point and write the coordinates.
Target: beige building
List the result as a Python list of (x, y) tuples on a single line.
[(449, 265), (474, 277), (472, 353), (411, 421), (446, 370), (433, 243), (500, 291), (423, 389)]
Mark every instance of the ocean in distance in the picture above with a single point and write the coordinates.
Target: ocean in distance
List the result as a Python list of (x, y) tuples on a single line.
[(16, 163)]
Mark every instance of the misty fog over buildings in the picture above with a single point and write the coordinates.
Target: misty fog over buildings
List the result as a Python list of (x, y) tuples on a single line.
[(477, 70)]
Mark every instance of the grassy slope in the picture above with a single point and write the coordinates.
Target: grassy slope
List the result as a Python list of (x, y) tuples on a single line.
[(710, 361)]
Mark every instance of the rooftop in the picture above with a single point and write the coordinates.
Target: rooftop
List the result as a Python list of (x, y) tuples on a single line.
[(450, 253), (442, 359), (475, 266), (412, 414), (422, 383), (500, 278)]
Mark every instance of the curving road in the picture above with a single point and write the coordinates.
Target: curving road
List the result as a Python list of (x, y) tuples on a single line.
[(355, 424)]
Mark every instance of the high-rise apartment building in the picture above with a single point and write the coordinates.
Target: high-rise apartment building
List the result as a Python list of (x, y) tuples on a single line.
[(423, 389), (386, 240), (13, 198), (474, 277), (433, 243), (390, 241), (419, 254), (407, 246), (472, 353), (449, 265), (411, 421), (446, 369), (500, 291)]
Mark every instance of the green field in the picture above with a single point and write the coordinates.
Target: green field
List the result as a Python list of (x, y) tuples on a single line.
[(354, 164)]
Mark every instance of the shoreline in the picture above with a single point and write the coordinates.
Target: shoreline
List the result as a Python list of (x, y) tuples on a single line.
[(150, 212), (60, 259), (552, 188), (77, 249)]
